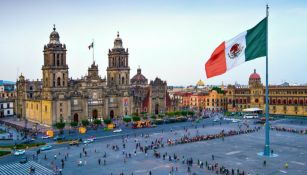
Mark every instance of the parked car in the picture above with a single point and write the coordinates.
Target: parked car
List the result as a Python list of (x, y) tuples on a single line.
[(74, 142), (87, 141), (46, 147), (23, 160), (45, 137), (117, 130), (20, 152), (59, 137)]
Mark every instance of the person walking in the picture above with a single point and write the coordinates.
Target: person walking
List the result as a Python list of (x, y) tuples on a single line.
[(99, 161), (286, 165)]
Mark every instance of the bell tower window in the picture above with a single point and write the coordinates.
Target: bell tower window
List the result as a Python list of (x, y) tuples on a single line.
[(59, 81)]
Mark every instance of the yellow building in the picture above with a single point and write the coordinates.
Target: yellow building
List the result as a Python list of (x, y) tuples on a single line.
[(283, 99)]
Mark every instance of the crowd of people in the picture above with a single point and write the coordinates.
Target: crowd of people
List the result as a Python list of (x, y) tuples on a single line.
[(222, 134), (286, 129)]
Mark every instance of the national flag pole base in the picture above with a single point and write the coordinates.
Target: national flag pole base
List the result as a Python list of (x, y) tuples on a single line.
[(266, 151), (269, 155)]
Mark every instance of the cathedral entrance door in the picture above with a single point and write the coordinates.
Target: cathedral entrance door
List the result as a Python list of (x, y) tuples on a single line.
[(111, 114), (95, 114), (157, 109), (76, 118)]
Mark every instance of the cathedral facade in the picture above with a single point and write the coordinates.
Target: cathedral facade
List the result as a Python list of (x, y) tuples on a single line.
[(56, 97)]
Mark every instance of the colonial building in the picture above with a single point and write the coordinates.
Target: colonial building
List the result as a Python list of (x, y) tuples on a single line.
[(283, 100), (7, 98), (59, 98)]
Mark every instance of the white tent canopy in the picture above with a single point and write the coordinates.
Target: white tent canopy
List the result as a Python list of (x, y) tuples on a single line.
[(252, 110)]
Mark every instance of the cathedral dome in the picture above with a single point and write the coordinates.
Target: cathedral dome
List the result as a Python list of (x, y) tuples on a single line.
[(54, 37), (118, 43), (200, 83), (254, 75), (139, 78)]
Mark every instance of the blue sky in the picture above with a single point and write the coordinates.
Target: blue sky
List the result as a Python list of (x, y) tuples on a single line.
[(169, 39)]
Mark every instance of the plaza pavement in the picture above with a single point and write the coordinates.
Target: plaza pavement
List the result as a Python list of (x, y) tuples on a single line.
[(237, 152)]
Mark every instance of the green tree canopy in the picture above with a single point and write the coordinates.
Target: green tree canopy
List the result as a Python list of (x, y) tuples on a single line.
[(127, 120), (136, 118), (85, 123), (73, 124), (107, 121), (97, 122)]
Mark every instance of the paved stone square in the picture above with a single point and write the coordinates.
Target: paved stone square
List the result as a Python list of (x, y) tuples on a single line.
[(233, 152)]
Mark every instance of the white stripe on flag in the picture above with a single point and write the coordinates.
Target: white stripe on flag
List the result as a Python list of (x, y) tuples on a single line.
[(233, 61)]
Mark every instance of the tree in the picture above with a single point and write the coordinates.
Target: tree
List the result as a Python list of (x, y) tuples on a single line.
[(85, 123), (107, 121), (153, 117), (191, 112), (184, 113), (97, 122), (127, 120), (161, 115), (60, 126), (145, 117), (177, 113), (136, 118), (73, 124)]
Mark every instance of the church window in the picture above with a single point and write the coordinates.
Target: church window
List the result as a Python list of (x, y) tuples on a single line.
[(123, 80), (54, 59), (46, 108), (59, 81), (58, 62), (256, 100), (36, 106)]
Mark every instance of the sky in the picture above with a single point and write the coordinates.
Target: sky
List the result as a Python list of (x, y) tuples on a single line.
[(169, 39)]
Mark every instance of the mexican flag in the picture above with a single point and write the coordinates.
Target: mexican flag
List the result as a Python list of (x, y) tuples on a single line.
[(244, 47), (91, 46)]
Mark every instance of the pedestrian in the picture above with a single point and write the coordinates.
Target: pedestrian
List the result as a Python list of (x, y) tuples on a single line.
[(286, 165), (99, 161), (264, 163), (212, 157)]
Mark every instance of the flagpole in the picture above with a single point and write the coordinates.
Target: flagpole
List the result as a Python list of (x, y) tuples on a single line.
[(266, 151)]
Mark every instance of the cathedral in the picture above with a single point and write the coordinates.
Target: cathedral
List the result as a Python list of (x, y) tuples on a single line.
[(56, 97)]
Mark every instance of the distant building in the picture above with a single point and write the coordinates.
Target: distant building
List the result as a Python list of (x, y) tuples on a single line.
[(6, 108), (283, 99), (7, 98)]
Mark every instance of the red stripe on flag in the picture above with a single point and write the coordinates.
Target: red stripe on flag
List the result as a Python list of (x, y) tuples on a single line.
[(216, 65)]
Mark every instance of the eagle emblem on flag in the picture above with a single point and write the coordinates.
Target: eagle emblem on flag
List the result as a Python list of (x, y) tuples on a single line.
[(235, 50)]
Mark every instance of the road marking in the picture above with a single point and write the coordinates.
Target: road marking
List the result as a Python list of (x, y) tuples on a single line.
[(232, 153), (298, 163)]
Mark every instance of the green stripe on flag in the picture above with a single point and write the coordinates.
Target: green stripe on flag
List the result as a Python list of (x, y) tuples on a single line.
[(256, 41)]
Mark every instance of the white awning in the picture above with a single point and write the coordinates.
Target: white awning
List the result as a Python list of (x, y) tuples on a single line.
[(252, 110)]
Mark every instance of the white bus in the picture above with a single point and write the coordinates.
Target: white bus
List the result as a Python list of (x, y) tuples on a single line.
[(251, 113)]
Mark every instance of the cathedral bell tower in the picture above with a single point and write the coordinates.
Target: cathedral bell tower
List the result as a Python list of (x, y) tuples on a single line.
[(118, 71), (55, 69)]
